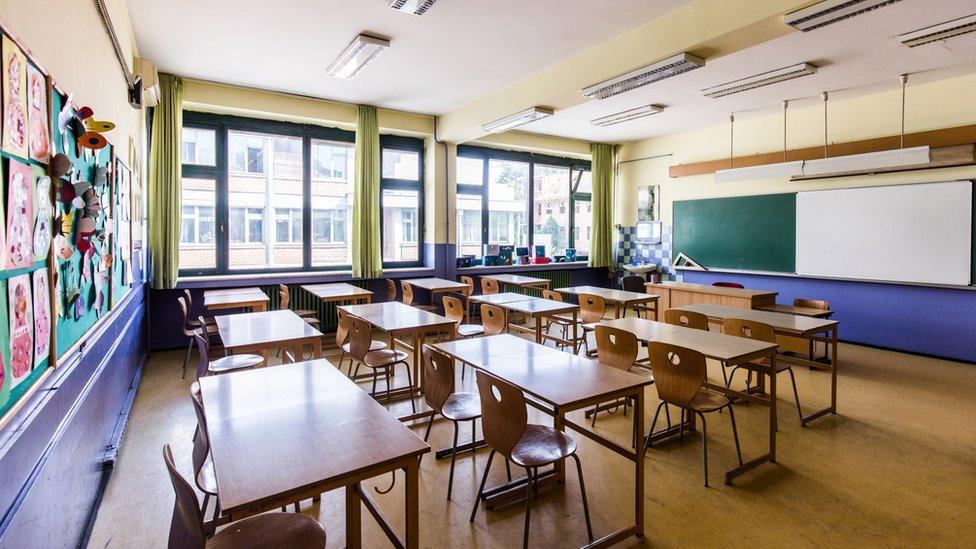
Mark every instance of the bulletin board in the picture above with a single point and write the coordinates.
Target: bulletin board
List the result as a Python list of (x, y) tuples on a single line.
[(122, 235)]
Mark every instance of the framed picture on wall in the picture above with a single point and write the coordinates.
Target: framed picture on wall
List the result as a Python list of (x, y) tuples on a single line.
[(647, 203)]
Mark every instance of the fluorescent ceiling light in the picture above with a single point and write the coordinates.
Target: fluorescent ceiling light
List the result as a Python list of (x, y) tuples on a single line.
[(828, 12), (867, 162), (760, 80), (517, 119), (627, 116), (766, 171), (416, 7), (362, 51), (665, 68), (942, 31)]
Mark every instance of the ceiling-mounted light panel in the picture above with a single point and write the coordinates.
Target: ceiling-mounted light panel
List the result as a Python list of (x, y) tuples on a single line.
[(362, 51), (517, 119), (764, 171), (627, 116), (940, 32), (665, 68), (760, 80), (416, 7), (829, 12)]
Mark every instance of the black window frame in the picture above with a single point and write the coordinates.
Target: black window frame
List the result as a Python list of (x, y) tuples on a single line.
[(409, 144)]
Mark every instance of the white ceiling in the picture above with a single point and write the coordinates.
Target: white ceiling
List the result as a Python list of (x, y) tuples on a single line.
[(855, 57), (458, 52)]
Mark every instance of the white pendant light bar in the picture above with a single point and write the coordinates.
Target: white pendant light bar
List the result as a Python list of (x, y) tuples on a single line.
[(940, 32), (665, 68), (517, 119), (627, 116), (760, 80), (829, 12), (416, 7), (765, 171), (868, 162), (362, 51)]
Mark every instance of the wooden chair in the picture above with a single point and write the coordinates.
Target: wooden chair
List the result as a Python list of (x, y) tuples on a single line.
[(758, 331), (189, 306), (469, 281), (439, 394), (489, 286), (224, 364), (494, 319), (391, 289), (310, 315), (688, 319), (679, 375), (635, 283), (506, 429), (728, 285), (454, 309), (563, 321), (408, 297), (342, 336), (618, 349), (203, 470), (190, 328), (360, 341), (266, 530), (821, 304), (592, 310)]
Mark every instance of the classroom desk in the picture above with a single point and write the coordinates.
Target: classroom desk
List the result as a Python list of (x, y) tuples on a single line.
[(499, 299), (339, 292), (797, 345), (620, 299), (538, 308), (805, 327), (262, 331), (544, 374), (283, 434), (519, 281), (676, 294), (726, 349), (437, 286), (236, 298)]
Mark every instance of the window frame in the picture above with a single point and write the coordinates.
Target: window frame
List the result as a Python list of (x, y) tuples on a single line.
[(407, 144)]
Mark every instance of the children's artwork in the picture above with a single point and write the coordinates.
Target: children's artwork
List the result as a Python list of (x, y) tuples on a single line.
[(42, 317), (21, 327), (42, 227), (20, 217), (14, 99), (647, 203), (38, 128)]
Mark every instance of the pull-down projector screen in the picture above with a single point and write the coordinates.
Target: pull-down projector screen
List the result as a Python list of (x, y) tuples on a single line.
[(905, 233)]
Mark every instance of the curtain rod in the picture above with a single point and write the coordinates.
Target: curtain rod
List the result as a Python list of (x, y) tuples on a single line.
[(616, 168)]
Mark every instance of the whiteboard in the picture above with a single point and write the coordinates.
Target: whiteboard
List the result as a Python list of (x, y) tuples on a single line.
[(905, 233)]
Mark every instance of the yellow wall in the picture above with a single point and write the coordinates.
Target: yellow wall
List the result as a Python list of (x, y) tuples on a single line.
[(940, 104)]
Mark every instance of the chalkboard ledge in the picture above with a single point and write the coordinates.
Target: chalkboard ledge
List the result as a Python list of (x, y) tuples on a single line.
[(969, 287)]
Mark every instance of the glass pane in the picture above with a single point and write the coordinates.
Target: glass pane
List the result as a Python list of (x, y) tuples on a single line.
[(198, 249), (585, 182), (470, 171), (401, 225), (332, 173), (399, 164), (265, 200), (583, 226), (551, 197), (198, 147), (469, 225), (508, 193)]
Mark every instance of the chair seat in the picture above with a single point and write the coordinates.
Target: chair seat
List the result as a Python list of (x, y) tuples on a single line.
[(589, 327), (305, 312), (207, 478), (541, 445), (234, 362), (269, 530), (311, 321), (374, 345), (563, 319), (383, 358), (462, 407), (470, 330), (708, 401), (208, 320)]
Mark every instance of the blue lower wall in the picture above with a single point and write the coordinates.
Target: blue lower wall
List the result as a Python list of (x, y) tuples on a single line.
[(917, 319)]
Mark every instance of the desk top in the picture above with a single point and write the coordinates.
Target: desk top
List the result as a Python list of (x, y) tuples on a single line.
[(296, 426), (557, 378), (437, 284), (709, 289), (711, 344), (336, 292), (214, 298), (224, 291), (781, 323), (796, 310), (515, 279), (393, 316), (499, 299), (610, 294), (539, 306), (247, 329)]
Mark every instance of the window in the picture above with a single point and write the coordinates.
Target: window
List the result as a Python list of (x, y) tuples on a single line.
[(551, 187), (582, 189), (508, 201), (288, 225), (333, 170), (401, 164), (400, 226), (197, 230), (198, 147), (468, 224), (400, 199)]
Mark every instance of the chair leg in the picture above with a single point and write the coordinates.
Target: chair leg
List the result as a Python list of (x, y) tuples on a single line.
[(735, 434), (796, 395), (530, 487), (586, 506), (373, 392), (462, 371), (189, 346), (704, 447), (653, 422), (413, 401), (206, 501), (681, 426), (342, 356), (389, 381), (450, 478), (356, 373), (216, 514), (481, 490), (508, 470), (595, 410)]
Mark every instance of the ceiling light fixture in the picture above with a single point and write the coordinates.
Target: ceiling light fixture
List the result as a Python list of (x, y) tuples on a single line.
[(940, 32), (362, 51), (416, 7), (517, 119), (665, 68), (764, 171), (831, 11), (760, 80), (627, 116)]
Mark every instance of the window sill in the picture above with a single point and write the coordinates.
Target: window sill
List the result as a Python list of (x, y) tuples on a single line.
[(573, 265), (298, 277)]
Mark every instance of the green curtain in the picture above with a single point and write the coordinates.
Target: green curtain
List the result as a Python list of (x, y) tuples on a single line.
[(601, 247), (164, 183), (367, 255)]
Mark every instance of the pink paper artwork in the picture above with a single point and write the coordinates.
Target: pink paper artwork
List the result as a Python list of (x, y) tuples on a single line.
[(20, 213), (21, 327), (42, 316)]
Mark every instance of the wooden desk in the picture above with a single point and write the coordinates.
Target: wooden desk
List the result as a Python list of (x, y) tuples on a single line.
[(519, 281), (620, 299), (437, 286), (558, 383), (279, 435), (499, 299), (339, 293), (236, 298), (677, 294), (795, 345), (260, 332), (809, 328), (726, 349), (538, 308), (795, 310)]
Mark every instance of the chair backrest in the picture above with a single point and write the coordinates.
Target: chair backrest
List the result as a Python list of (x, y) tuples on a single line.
[(342, 328), (407, 290), (821, 304), (285, 297), (688, 319), (439, 377), (503, 414), (203, 346), (552, 295), (749, 329), (470, 283), (186, 526), (453, 309), (188, 330), (189, 299), (679, 372), (632, 283), (616, 348), (489, 286), (494, 319), (391, 289), (592, 308), (360, 337), (201, 443), (728, 284)]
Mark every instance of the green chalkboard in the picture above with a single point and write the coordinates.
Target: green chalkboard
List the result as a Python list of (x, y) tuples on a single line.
[(756, 233)]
